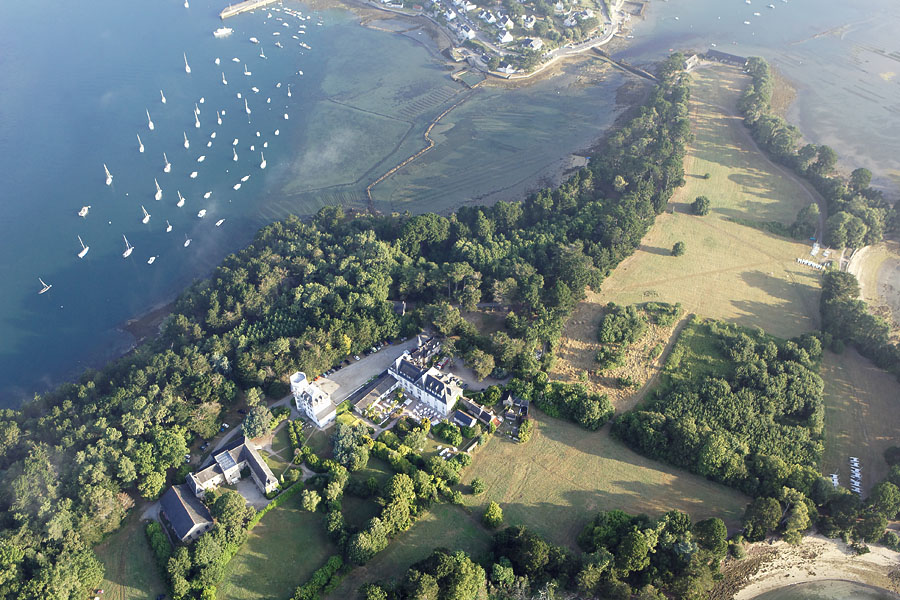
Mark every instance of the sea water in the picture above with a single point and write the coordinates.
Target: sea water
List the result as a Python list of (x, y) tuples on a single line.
[(77, 81), (827, 590)]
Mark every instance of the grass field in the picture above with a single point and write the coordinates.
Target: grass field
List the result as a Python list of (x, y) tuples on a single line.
[(557, 481), (445, 525), (131, 572), (730, 271), (281, 553), (861, 416)]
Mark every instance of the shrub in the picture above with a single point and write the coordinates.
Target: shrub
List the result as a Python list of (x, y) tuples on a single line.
[(310, 500), (621, 325), (478, 486), (525, 430), (159, 543), (610, 356), (678, 249), (493, 516)]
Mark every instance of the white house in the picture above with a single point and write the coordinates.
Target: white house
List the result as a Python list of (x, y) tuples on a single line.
[(534, 43), (465, 33), (571, 21), (227, 469), (559, 7), (506, 22), (505, 37), (507, 68), (437, 390), (449, 14), (310, 399), (468, 6), (487, 16), (528, 21)]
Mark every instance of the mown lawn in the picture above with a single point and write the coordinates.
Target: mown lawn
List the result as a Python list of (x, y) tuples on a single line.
[(131, 572), (281, 553)]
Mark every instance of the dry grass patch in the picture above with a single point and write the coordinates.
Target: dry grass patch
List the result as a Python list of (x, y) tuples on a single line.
[(556, 482), (861, 416)]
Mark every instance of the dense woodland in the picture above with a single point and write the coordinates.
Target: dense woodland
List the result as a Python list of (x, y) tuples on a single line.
[(304, 295), (857, 214)]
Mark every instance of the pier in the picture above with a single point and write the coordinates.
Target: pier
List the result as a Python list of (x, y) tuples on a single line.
[(240, 7)]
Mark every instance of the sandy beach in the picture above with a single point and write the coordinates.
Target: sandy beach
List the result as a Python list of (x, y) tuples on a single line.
[(776, 565)]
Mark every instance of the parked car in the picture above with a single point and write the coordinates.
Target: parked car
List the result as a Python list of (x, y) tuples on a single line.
[(356, 356)]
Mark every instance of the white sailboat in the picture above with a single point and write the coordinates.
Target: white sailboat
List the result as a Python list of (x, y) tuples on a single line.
[(218, 118), (84, 211), (207, 195), (196, 121), (84, 249), (140, 144), (187, 4), (180, 200), (201, 214), (158, 195), (255, 89), (196, 109), (289, 90), (277, 132), (262, 53), (247, 71), (162, 97), (146, 218), (236, 186), (262, 164), (168, 167), (128, 248), (168, 226), (236, 59), (187, 144), (265, 144), (235, 142), (219, 222), (151, 260), (44, 286), (252, 148), (109, 176), (187, 242), (245, 178), (201, 158), (187, 67), (234, 152), (224, 81), (286, 116), (238, 95), (254, 40), (150, 125), (193, 174), (212, 136), (246, 108)]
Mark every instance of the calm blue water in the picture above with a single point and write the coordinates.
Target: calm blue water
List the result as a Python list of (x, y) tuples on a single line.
[(78, 78)]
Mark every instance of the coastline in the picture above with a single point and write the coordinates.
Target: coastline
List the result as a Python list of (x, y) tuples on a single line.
[(147, 325), (771, 566)]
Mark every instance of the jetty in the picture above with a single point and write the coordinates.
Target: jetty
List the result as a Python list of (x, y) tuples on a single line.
[(240, 7)]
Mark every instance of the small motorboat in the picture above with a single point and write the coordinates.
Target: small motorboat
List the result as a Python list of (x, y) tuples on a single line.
[(151, 260), (219, 222), (193, 174), (201, 214), (84, 211), (168, 226)]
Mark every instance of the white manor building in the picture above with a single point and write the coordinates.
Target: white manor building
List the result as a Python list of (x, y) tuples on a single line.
[(437, 390), (311, 400), (228, 466)]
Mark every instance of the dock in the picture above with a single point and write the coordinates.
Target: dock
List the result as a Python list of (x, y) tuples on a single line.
[(240, 7)]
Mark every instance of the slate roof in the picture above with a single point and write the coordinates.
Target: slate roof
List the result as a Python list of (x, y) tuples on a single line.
[(183, 510), (367, 395), (479, 412), (409, 371), (463, 419), (258, 465)]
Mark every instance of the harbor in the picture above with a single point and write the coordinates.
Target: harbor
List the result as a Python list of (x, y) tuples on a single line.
[(241, 7)]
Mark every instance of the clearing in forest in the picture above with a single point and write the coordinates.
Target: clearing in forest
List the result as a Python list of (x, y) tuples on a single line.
[(861, 416), (556, 482), (130, 568), (730, 271)]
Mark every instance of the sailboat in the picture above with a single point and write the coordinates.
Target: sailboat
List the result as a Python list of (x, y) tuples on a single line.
[(262, 54), (265, 144), (146, 218), (196, 121), (193, 174), (212, 136), (168, 167), (201, 158), (236, 186), (247, 71), (151, 260), (128, 248), (197, 108), (246, 108), (218, 118), (201, 214), (150, 125), (180, 200), (224, 81), (289, 90), (162, 97), (277, 132), (158, 195), (168, 226), (252, 148), (187, 144), (233, 151), (286, 116), (84, 211), (44, 286), (187, 5), (140, 144), (219, 222), (235, 142), (187, 241), (84, 249), (109, 176), (207, 195), (262, 164), (187, 67), (245, 178)]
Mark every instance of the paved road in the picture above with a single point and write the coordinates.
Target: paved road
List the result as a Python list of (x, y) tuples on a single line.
[(349, 379)]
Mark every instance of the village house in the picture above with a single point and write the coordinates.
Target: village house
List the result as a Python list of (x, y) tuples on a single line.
[(481, 414), (487, 16), (468, 6), (465, 33), (571, 21), (227, 467), (185, 514), (449, 14), (505, 22), (559, 7), (533, 43), (505, 37), (528, 21), (311, 400), (464, 419), (437, 390), (507, 68)]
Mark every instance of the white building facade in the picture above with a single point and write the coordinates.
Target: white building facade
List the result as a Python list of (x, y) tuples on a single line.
[(311, 400), (437, 390)]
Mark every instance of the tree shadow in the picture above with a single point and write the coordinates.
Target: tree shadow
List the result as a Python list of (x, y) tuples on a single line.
[(655, 250)]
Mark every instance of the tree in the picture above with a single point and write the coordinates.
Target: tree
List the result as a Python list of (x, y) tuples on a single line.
[(712, 535), (761, 517), (885, 498), (872, 527), (678, 249), (807, 221), (700, 206), (310, 500), (860, 179), (481, 363), (493, 516), (478, 486), (257, 422)]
